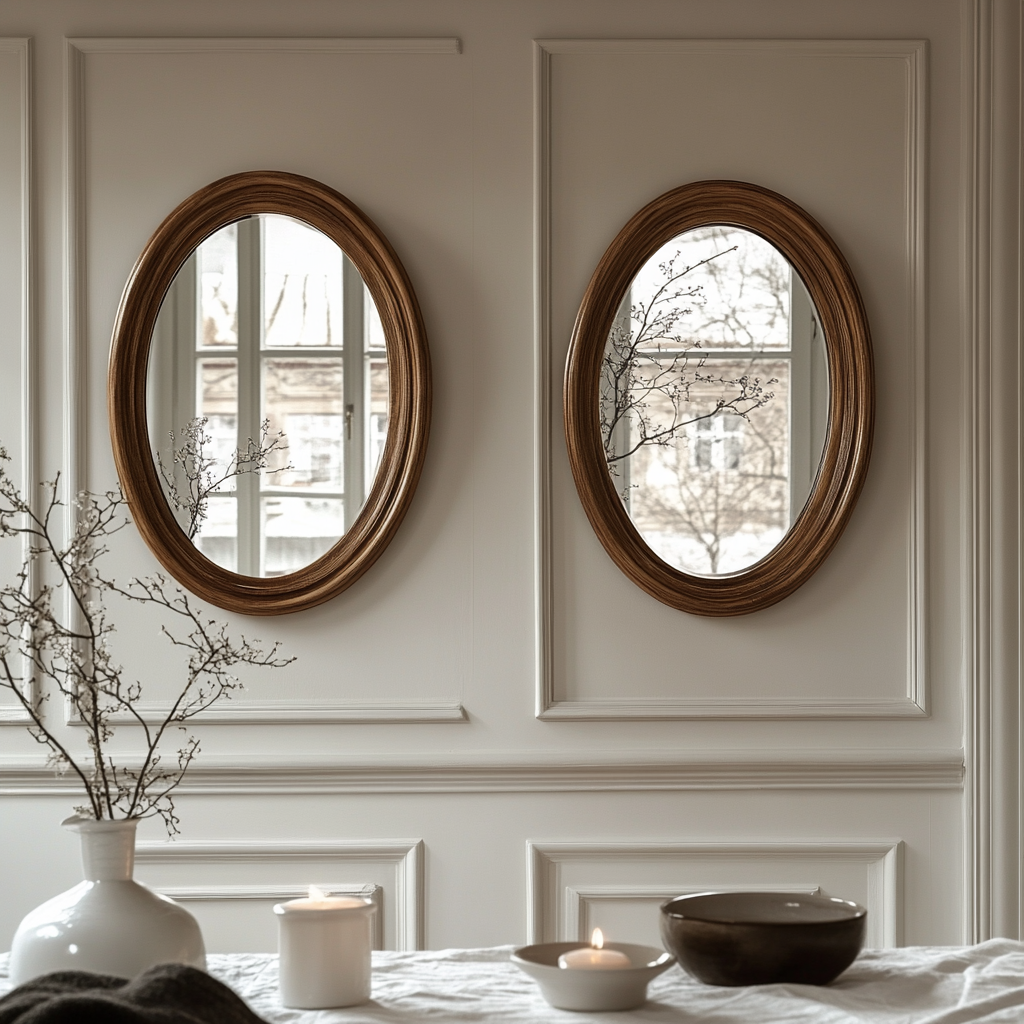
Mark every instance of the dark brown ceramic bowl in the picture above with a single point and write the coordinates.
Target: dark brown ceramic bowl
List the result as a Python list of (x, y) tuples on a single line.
[(758, 938)]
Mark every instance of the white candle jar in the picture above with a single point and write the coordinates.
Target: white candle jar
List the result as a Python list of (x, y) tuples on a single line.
[(324, 947)]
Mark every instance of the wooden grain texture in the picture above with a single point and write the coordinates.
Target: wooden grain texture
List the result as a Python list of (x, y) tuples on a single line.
[(830, 283), (200, 215)]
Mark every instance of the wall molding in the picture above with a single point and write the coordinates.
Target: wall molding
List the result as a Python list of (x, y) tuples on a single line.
[(263, 893), (718, 770), (265, 44), (641, 710), (405, 855), (577, 920), (914, 701), (554, 913), (993, 383), (25, 449), (298, 713), (75, 469)]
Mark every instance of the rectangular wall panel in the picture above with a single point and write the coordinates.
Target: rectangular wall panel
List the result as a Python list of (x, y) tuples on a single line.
[(231, 887), (838, 127), (178, 114), (618, 886)]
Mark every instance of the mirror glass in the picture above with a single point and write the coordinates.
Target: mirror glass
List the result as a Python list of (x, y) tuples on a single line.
[(714, 399), (267, 395)]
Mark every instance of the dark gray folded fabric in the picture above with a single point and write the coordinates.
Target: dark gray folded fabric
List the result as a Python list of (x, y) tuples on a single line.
[(165, 994)]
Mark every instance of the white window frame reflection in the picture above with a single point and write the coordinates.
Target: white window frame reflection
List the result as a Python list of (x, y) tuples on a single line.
[(179, 353), (717, 443), (808, 388)]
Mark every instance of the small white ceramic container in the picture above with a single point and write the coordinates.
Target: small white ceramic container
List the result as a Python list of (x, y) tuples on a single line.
[(593, 990), (324, 947), (109, 923)]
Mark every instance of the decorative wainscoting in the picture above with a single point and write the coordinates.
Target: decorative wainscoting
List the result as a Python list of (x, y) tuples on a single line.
[(569, 76), (16, 303), (231, 887), (573, 886), (238, 712), (87, 115), (262, 895), (588, 904)]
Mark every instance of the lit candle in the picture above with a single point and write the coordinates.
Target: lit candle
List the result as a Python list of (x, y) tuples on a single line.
[(324, 944), (319, 900), (595, 957)]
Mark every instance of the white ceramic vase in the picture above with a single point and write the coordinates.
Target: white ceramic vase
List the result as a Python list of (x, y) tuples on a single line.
[(109, 923)]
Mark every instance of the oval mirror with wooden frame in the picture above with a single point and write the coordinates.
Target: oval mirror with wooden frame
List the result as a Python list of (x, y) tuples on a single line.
[(268, 393), (719, 398)]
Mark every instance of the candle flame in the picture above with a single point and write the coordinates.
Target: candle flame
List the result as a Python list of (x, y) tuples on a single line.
[(597, 939), (316, 893)]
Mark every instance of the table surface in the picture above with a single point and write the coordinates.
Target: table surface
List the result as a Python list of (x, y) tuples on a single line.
[(981, 984)]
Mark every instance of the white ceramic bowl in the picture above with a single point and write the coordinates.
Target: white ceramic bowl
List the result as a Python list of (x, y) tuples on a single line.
[(569, 989)]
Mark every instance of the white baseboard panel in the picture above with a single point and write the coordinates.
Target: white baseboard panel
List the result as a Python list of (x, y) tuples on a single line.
[(573, 885), (582, 904), (250, 876), (264, 894)]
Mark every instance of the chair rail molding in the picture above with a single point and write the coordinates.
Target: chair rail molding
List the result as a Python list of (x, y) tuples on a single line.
[(405, 855), (914, 701), (555, 908), (613, 772), (19, 347)]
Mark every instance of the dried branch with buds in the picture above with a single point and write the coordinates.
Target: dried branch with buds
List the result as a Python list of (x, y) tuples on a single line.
[(68, 653), (195, 473), (650, 365)]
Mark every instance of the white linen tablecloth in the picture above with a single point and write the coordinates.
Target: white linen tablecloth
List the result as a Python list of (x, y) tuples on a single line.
[(981, 984)]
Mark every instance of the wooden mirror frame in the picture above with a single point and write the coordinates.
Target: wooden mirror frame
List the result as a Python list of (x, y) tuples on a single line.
[(211, 208), (844, 461)]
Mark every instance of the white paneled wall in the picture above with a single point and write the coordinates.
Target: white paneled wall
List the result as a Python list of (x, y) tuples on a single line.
[(783, 102), (494, 733), (618, 886), (241, 882)]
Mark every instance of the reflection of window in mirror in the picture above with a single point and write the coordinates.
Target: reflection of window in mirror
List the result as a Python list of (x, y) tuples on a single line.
[(269, 323), (715, 399)]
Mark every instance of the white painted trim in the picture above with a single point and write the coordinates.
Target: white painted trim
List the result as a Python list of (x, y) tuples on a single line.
[(406, 855), (265, 44), (991, 58), (294, 713), (640, 710), (209, 893), (914, 703), (22, 47), (75, 471), (263, 893), (976, 22), (917, 306), (599, 772), (577, 925), (857, 48), (549, 920), (544, 668), (74, 468)]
